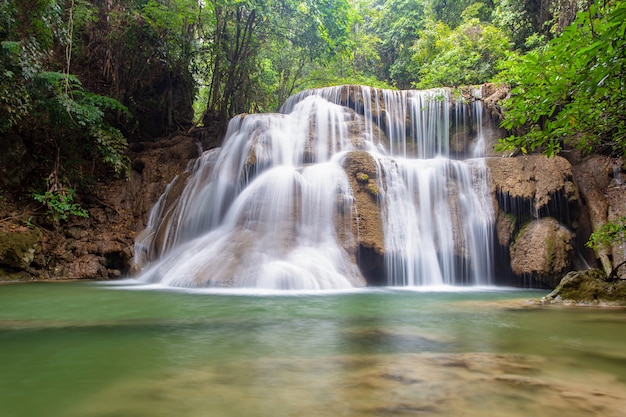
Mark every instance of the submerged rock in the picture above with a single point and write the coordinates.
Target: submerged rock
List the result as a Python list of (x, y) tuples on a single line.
[(588, 287)]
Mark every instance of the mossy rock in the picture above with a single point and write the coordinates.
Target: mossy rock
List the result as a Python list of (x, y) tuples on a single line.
[(588, 287), (362, 177), (372, 187), (17, 249)]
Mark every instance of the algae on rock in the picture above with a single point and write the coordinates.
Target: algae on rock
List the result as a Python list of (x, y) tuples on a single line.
[(588, 287)]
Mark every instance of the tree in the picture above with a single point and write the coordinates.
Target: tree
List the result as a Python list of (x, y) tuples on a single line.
[(140, 52), (610, 233), (517, 19), (530, 23), (397, 25), (450, 12), (47, 107), (572, 92), (468, 54), (257, 50)]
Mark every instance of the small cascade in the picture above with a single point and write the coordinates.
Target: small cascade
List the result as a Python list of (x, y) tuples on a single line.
[(437, 217), (275, 207)]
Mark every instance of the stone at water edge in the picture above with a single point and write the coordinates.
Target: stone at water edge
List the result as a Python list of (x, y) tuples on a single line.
[(588, 287), (18, 248)]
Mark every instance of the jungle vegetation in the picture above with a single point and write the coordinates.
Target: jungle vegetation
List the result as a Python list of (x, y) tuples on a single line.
[(81, 79)]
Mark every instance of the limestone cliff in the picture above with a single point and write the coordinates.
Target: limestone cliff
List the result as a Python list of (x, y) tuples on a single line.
[(548, 207), (537, 204)]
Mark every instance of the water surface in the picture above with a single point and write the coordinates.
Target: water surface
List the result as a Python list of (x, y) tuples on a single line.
[(93, 350)]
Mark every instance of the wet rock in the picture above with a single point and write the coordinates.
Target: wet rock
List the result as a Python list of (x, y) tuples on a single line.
[(616, 201), (366, 243), (588, 287), (592, 178), (154, 166), (505, 228), (367, 224), (534, 178), (542, 249)]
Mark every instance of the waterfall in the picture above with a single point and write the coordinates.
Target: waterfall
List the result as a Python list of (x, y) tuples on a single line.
[(278, 207)]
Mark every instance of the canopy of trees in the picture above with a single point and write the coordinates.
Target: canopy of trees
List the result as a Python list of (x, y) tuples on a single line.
[(572, 91), (81, 78)]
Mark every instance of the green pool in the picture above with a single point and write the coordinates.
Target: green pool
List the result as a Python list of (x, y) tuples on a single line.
[(96, 350)]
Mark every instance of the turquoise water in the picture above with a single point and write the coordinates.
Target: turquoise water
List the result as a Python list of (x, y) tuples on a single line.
[(93, 350)]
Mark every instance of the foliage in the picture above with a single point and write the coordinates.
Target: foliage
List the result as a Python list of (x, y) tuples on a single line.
[(397, 25), (21, 58), (255, 51), (65, 124), (513, 17), (71, 114), (572, 92), (466, 55), (64, 106), (450, 12), (608, 234), (60, 204), (14, 98)]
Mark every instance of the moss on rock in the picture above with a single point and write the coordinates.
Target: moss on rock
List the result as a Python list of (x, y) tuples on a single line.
[(588, 287), (17, 249)]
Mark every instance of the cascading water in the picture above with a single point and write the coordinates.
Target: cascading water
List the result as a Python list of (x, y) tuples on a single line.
[(276, 207)]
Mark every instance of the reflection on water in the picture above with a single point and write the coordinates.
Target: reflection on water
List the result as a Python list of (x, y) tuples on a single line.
[(94, 351)]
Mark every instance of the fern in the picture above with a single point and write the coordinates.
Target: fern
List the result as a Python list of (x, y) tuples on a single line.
[(69, 107)]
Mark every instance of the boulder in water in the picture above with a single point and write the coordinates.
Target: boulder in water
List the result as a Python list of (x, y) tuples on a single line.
[(588, 287)]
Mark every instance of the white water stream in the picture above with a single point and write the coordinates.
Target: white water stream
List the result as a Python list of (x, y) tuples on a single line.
[(273, 208)]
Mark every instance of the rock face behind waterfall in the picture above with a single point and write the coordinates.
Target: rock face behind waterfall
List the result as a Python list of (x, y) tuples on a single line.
[(547, 209), (537, 207)]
